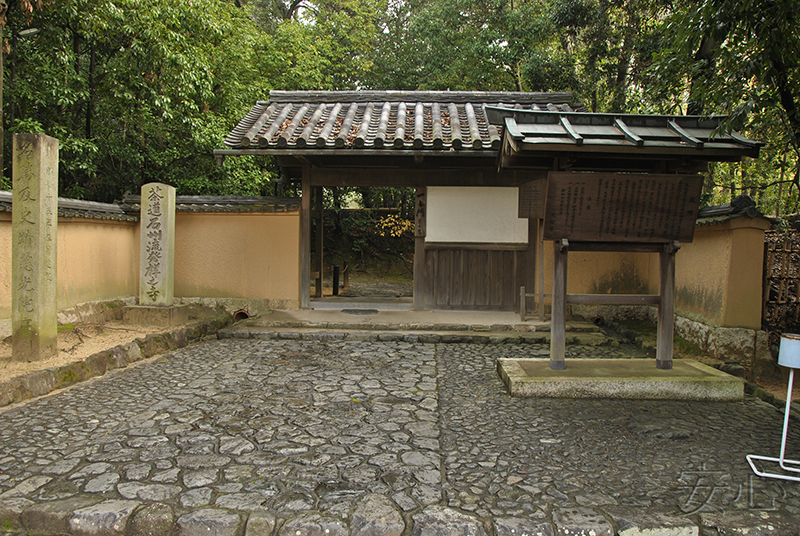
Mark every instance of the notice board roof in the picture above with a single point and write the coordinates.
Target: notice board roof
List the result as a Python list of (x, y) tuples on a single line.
[(599, 141)]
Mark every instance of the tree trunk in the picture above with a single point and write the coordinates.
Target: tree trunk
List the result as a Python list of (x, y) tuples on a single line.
[(336, 194), (618, 101), (92, 65), (705, 54), (787, 99), (366, 197)]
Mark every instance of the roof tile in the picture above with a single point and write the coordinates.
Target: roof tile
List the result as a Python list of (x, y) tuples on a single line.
[(431, 120)]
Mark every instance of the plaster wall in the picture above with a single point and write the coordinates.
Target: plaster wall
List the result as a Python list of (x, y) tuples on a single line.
[(719, 276), (96, 260), (257, 256), (604, 272), (474, 214), (238, 255)]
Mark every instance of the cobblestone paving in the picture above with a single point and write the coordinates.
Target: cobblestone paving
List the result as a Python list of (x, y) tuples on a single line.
[(313, 437), (524, 457)]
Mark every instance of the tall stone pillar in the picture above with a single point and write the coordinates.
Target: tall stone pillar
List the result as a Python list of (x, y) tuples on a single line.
[(33, 247), (157, 250), (157, 261)]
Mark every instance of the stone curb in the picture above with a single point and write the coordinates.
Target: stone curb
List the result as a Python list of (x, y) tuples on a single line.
[(728, 368), (404, 326), (42, 382), (464, 337), (580, 327), (375, 515)]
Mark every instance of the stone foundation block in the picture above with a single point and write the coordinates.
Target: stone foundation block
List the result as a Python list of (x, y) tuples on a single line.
[(732, 344), (641, 522), (53, 517), (694, 332), (153, 520), (11, 511), (749, 524), (206, 522), (153, 315), (441, 521), (70, 374), (106, 518), (35, 384), (581, 521), (376, 514)]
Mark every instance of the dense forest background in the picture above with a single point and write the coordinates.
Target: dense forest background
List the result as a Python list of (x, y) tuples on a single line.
[(143, 90)]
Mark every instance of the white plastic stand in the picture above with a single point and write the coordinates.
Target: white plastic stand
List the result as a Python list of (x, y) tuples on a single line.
[(789, 356)]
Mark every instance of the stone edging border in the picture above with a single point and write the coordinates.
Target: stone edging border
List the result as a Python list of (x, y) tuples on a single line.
[(377, 335), (732, 369), (374, 515), (42, 382)]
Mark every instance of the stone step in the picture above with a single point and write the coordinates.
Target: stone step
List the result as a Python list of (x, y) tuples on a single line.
[(572, 326), (579, 338)]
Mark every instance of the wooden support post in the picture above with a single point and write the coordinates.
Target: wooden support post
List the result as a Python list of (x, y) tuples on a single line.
[(305, 239), (336, 280), (319, 267), (522, 300), (558, 318), (666, 306), (527, 278), (420, 210), (540, 251)]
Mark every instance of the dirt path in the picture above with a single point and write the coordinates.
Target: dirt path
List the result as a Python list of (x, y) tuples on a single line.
[(75, 343)]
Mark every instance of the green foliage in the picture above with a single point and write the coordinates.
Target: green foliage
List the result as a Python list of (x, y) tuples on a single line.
[(141, 90), (554, 71), (739, 58), (135, 91), (323, 45), (369, 234)]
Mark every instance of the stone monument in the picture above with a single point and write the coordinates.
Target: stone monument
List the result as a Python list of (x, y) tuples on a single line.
[(33, 245), (157, 260)]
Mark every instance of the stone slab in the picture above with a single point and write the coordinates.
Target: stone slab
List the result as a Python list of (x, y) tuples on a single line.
[(153, 315), (157, 250), (618, 378), (33, 246)]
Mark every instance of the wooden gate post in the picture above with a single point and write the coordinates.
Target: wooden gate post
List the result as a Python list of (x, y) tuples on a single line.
[(558, 317), (420, 211), (319, 266), (305, 239), (666, 306)]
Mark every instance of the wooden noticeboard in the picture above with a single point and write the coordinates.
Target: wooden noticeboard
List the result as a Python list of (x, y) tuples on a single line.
[(532, 197), (617, 207)]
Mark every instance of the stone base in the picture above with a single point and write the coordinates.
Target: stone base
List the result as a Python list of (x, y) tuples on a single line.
[(151, 315), (618, 378)]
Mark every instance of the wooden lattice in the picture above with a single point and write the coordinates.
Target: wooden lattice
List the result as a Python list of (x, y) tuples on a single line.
[(781, 302)]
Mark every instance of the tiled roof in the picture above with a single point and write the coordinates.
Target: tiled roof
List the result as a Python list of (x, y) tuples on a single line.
[(208, 203), (420, 120), (76, 208), (128, 209), (742, 205)]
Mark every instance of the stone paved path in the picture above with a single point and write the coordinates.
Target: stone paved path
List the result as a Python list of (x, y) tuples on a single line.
[(302, 437)]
